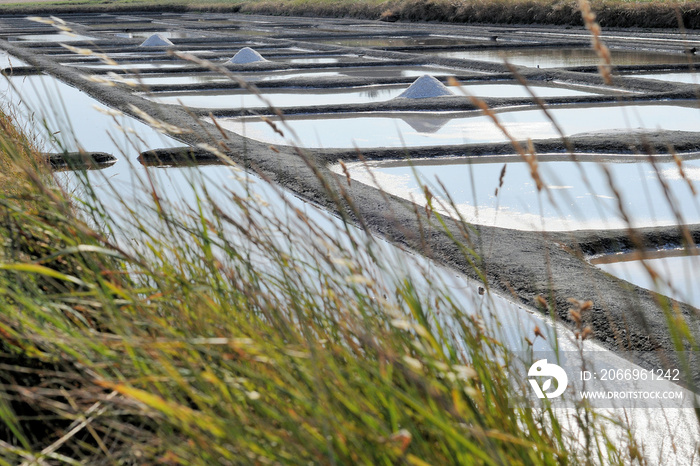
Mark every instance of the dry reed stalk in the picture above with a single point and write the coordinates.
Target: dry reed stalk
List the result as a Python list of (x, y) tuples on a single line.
[(589, 19)]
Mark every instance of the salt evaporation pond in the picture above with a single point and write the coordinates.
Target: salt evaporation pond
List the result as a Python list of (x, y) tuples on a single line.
[(165, 34), (678, 270), (131, 66), (360, 72), (687, 77), (413, 129), (52, 37), (563, 57), (7, 61), (517, 90), (149, 80), (509, 321), (493, 309), (401, 41), (296, 97), (395, 71), (581, 196), (246, 32), (315, 60), (125, 181), (78, 122), (197, 78), (289, 98)]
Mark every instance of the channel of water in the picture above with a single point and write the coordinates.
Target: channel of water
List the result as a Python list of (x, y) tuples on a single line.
[(297, 97), (565, 57), (415, 129), (579, 195), (678, 272)]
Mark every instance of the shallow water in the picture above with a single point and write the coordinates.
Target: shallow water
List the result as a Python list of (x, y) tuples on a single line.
[(246, 32), (294, 97), (132, 66), (290, 98), (197, 78), (395, 71), (7, 60), (367, 71), (412, 129), (52, 37), (72, 116), (679, 274), (317, 61), (166, 34), (516, 90), (564, 57), (123, 23), (148, 80), (400, 41), (579, 195), (688, 78)]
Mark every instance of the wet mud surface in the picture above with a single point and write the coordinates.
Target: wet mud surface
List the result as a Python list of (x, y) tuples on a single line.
[(523, 264)]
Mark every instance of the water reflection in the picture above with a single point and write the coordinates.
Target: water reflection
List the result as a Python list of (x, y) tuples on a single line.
[(51, 37), (166, 34), (288, 98), (360, 72), (678, 270), (401, 41), (391, 130), (517, 91), (130, 66), (564, 57), (687, 77), (9, 61), (425, 125), (65, 111), (579, 195), (319, 60), (375, 93)]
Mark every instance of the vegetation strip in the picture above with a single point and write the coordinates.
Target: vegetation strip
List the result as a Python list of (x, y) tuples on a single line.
[(610, 13)]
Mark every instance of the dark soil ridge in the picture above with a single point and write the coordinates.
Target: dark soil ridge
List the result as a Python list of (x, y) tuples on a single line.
[(522, 264), (80, 160)]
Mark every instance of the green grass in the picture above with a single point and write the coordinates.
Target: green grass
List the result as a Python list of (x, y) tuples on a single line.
[(17, 154)]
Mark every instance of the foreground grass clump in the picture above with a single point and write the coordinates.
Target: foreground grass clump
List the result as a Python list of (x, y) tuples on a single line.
[(220, 335), (18, 156)]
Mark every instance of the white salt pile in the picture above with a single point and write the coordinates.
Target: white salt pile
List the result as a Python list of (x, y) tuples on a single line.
[(156, 40), (424, 87), (246, 55)]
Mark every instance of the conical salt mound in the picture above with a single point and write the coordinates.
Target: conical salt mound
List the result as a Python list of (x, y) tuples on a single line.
[(424, 87), (246, 55), (156, 40)]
